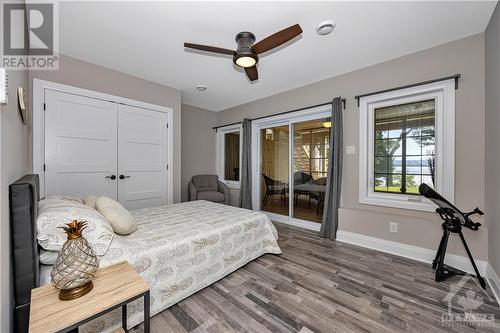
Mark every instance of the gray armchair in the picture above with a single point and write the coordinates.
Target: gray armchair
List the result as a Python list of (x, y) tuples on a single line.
[(208, 187)]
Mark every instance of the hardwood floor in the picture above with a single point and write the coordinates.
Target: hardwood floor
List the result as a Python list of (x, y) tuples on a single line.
[(319, 285), (301, 209)]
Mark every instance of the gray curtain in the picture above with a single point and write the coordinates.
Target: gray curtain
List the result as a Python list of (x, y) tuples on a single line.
[(334, 178), (246, 166)]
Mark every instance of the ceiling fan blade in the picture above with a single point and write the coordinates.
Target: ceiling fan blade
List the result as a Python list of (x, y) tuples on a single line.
[(209, 48), (252, 73), (277, 39)]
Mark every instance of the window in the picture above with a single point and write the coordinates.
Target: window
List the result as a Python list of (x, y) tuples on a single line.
[(404, 147), (228, 152), (311, 148), (232, 156), (406, 139)]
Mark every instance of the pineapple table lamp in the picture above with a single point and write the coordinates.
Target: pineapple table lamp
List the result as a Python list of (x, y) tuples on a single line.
[(75, 265)]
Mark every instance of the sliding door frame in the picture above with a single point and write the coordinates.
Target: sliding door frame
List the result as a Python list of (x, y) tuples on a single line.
[(38, 139), (289, 120)]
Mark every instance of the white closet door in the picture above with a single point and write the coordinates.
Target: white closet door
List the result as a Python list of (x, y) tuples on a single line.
[(142, 157), (80, 145)]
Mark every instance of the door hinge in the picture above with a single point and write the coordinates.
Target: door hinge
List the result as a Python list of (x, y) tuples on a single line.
[(167, 125), (44, 167), (167, 166), (44, 106)]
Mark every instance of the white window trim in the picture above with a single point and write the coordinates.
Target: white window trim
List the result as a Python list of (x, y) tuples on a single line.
[(221, 131), (444, 94)]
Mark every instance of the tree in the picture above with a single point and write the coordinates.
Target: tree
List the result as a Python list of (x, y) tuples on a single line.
[(388, 147)]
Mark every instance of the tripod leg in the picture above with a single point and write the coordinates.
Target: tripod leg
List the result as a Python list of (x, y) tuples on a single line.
[(479, 277), (438, 253), (439, 271)]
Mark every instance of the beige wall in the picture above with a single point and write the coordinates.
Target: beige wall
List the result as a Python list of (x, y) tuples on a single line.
[(465, 56), (85, 75), (13, 165), (492, 119), (198, 144)]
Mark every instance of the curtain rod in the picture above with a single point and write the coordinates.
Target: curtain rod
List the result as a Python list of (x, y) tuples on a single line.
[(285, 112), (455, 77)]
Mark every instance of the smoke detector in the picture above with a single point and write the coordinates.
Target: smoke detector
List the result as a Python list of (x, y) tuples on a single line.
[(325, 27), (201, 88)]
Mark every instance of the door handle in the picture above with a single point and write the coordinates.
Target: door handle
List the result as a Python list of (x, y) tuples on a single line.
[(112, 177), (123, 177)]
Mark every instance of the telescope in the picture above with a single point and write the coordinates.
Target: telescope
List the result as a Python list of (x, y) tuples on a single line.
[(454, 219)]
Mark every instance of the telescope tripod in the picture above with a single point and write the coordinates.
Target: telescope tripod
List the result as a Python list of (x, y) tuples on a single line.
[(444, 271)]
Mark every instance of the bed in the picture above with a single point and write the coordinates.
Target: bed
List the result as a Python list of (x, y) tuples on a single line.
[(179, 249)]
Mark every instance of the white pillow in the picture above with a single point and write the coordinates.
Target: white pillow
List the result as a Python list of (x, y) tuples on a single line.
[(90, 200), (48, 257), (121, 220), (55, 213), (62, 197)]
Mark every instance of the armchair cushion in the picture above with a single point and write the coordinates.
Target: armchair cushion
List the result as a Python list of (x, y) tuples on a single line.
[(208, 187), (206, 182), (213, 196)]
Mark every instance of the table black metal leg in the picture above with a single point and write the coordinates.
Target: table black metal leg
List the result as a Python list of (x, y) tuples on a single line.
[(124, 317), (146, 312)]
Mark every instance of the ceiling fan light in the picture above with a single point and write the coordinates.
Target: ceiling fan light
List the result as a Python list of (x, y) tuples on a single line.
[(246, 61)]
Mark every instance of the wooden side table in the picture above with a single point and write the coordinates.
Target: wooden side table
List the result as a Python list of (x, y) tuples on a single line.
[(114, 287)]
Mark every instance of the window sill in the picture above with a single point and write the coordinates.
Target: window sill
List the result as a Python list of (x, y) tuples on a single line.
[(404, 202), (232, 185)]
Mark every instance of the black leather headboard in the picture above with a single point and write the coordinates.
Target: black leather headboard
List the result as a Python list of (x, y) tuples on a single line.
[(23, 201)]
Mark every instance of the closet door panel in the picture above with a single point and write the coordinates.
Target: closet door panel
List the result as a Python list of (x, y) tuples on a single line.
[(80, 145), (142, 157)]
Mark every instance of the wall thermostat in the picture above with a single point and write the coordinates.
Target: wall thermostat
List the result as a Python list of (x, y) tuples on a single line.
[(3, 86)]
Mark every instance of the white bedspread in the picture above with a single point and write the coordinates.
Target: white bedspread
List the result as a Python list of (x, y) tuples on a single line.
[(182, 248)]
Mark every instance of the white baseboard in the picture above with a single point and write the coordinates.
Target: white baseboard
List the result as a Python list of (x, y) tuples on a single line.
[(409, 251), (493, 282)]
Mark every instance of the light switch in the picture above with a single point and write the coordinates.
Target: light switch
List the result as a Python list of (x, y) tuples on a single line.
[(350, 150)]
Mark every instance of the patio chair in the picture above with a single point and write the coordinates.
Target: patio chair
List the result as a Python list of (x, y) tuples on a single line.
[(300, 177), (273, 187)]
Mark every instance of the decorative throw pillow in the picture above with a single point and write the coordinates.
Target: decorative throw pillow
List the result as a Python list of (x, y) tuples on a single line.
[(48, 257), (55, 213), (62, 198), (122, 222), (90, 200)]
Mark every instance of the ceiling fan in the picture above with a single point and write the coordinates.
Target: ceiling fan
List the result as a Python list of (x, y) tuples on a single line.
[(247, 53)]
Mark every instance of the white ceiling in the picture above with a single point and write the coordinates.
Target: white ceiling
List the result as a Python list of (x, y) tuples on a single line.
[(146, 39)]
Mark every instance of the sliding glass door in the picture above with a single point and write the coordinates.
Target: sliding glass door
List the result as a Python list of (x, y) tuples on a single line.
[(292, 162)]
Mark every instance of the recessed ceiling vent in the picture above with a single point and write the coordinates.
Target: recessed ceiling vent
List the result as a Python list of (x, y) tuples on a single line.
[(325, 27)]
